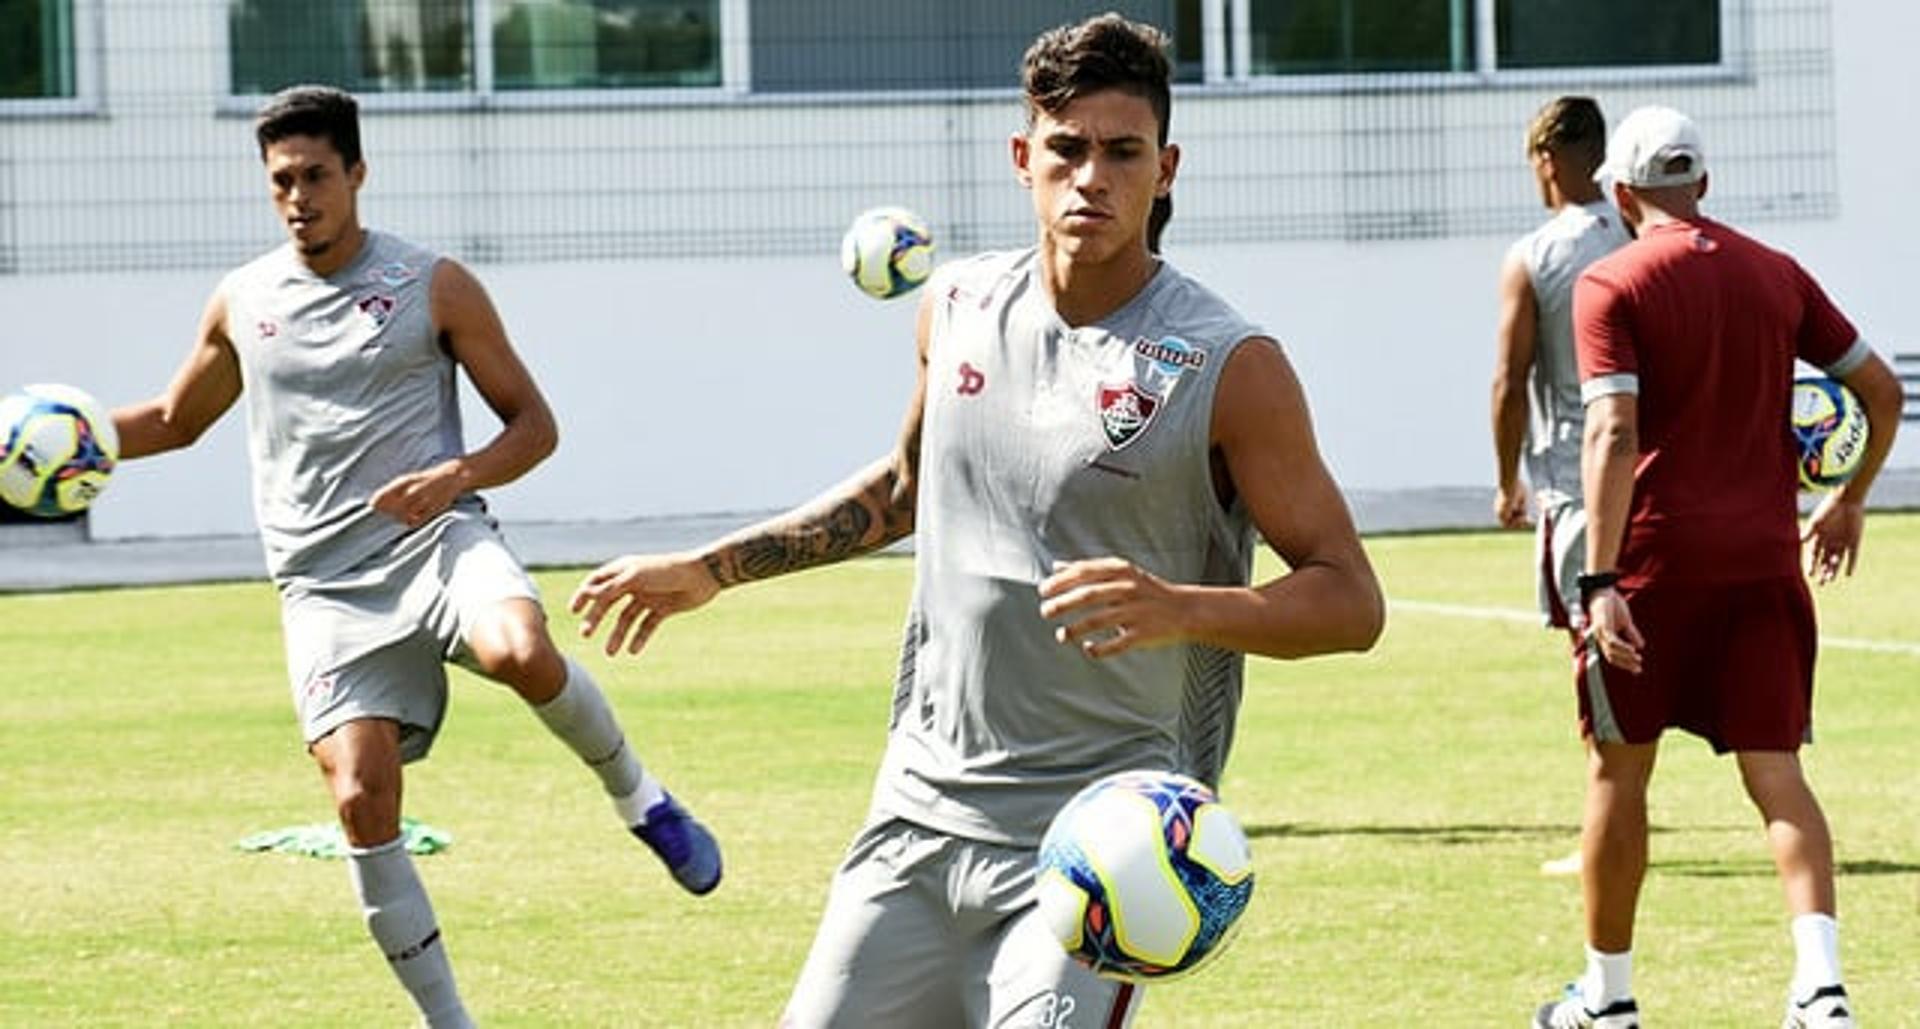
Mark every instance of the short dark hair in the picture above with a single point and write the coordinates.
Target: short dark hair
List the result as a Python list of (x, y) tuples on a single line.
[(320, 111), (1103, 52), (1572, 127)]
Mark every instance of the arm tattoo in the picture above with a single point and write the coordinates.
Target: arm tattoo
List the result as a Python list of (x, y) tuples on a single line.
[(833, 529)]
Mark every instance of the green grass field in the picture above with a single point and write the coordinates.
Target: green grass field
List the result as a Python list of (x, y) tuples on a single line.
[(1400, 804)]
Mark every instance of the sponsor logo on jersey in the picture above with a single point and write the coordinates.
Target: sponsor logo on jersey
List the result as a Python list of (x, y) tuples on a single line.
[(1125, 411), (267, 328), (392, 275), (1171, 355)]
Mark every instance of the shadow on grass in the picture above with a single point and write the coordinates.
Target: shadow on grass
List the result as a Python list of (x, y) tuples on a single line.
[(1761, 868), (1450, 835), (1442, 834)]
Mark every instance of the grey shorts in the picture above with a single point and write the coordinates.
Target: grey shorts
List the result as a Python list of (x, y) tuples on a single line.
[(376, 648), (1559, 555), (924, 930)]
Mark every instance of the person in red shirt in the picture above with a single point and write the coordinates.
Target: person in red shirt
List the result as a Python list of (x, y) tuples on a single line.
[(1699, 616)]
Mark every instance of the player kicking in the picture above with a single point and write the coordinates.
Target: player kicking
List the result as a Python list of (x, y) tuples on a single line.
[(1534, 372), (1092, 442), (1700, 617), (345, 343)]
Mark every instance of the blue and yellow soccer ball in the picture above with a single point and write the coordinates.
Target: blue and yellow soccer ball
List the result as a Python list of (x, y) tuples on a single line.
[(59, 450), (887, 251), (1830, 427), (1144, 875)]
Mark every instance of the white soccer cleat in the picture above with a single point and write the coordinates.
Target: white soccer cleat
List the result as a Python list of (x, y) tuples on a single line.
[(1568, 865), (1828, 1008), (1570, 1012)]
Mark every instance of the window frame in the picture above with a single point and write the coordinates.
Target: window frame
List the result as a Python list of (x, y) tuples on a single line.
[(87, 92), (735, 69), (1226, 62), (1227, 59)]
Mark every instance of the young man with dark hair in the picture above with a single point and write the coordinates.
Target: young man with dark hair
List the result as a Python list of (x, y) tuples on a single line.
[(346, 344), (1700, 618), (1536, 388), (1092, 443)]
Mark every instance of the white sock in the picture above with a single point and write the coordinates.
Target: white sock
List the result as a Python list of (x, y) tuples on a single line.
[(580, 717), (400, 918), (634, 806), (1816, 954), (1609, 978)]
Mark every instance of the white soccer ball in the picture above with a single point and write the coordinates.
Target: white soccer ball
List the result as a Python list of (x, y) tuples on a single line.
[(57, 449), (1143, 876), (887, 251)]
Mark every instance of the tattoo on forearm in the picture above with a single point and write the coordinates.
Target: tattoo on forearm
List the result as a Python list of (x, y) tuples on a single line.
[(822, 534)]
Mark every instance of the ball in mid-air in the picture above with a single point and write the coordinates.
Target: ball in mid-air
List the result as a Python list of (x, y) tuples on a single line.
[(887, 251), (57, 449), (1830, 428), (1143, 875)]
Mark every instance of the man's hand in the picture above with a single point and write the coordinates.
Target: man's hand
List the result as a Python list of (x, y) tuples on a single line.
[(1610, 624), (1510, 505), (652, 587), (1834, 529), (415, 498), (1111, 606)]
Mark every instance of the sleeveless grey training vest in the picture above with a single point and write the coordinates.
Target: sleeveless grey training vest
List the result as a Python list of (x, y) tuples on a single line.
[(1554, 255), (347, 386), (1043, 443)]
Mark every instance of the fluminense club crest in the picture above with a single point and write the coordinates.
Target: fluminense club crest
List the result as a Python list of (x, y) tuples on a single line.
[(1125, 410)]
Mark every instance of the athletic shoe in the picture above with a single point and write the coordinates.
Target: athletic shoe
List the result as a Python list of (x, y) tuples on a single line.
[(1568, 865), (1570, 1012), (1826, 1009), (685, 845)]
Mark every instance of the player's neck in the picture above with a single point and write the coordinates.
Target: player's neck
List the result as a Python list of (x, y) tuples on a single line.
[(1084, 292), (1565, 197), (338, 253), (1652, 217)]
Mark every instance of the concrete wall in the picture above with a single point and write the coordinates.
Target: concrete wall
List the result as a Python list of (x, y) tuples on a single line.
[(744, 383)]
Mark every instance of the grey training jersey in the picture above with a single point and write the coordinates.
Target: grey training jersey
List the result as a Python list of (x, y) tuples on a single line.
[(347, 386), (1554, 255), (1043, 443)]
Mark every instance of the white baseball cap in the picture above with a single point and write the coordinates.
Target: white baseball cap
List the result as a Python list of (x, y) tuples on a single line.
[(1646, 141)]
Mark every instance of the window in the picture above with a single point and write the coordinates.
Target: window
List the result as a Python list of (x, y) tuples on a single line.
[(431, 46), (606, 44), (1560, 33), (37, 50), (1301, 38), (367, 46), (1294, 37)]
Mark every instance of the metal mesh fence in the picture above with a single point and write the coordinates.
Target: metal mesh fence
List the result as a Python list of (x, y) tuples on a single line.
[(549, 130)]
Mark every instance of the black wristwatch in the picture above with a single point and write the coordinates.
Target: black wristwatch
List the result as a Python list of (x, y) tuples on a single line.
[(1589, 583)]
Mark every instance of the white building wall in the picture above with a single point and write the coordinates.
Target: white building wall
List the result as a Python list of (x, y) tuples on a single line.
[(742, 383)]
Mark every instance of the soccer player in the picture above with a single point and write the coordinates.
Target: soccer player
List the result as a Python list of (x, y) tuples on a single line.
[(1092, 442), (1700, 619), (346, 343), (1536, 388)]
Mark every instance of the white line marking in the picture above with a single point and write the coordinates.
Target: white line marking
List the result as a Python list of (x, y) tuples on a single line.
[(1522, 616)]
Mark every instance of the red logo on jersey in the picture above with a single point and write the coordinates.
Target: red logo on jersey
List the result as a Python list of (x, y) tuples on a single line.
[(972, 380), (268, 328), (1125, 411)]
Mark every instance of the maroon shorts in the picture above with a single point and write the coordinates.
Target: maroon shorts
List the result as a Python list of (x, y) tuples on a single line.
[(1732, 664)]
